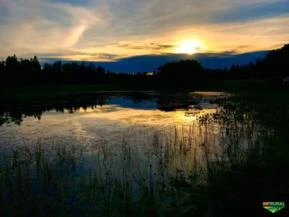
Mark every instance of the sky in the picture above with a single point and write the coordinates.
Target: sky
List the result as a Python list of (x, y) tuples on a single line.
[(117, 30)]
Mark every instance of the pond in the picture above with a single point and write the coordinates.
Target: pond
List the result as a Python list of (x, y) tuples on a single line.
[(102, 118), (113, 153)]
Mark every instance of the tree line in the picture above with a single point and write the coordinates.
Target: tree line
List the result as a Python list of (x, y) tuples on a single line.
[(15, 71), (184, 73), (274, 67)]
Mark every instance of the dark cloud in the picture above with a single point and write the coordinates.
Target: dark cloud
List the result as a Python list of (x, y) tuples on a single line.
[(146, 46), (242, 47), (105, 56)]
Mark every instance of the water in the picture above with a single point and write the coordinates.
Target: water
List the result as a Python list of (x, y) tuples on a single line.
[(91, 119), (122, 147)]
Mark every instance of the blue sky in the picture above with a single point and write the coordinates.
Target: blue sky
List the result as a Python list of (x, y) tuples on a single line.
[(114, 30)]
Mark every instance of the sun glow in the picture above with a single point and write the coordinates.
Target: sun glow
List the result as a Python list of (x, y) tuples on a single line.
[(188, 47)]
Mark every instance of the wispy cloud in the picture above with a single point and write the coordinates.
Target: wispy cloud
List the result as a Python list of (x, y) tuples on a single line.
[(39, 26)]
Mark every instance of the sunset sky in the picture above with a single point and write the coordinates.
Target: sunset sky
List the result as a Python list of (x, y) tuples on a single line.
[(107, 30)]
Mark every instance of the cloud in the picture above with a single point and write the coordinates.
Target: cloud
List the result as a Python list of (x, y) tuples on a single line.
[(147, 46), (40, 26), (256, 11), (90, 29), (82, 56), (138, 23), (130, 17)]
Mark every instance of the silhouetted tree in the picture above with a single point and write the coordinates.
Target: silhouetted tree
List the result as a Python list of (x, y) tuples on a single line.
[(35, 72), (30, 71), (185, 72), (12, 72), (276, 63)]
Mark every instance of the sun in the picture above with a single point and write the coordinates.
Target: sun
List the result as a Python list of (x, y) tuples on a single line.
[(188, 47)]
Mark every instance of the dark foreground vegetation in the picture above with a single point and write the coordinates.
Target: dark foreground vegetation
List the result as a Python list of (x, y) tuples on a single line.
[(272, 70)]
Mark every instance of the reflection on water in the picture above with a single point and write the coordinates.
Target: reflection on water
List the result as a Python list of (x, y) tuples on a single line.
[(104, 117), (123, 149), (16, 111)]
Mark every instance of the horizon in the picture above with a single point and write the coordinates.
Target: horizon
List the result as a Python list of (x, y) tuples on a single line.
[(150, 63)]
